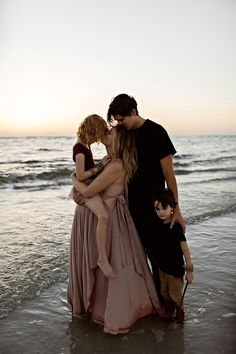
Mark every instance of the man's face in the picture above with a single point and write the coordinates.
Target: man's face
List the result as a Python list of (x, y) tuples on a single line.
[(128, 121)]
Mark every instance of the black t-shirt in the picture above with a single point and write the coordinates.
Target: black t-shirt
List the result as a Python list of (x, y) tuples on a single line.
[(153, 144), (168, 249), (81, 149)]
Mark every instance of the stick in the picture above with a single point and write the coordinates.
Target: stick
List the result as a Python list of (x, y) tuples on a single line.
[(185, 288)]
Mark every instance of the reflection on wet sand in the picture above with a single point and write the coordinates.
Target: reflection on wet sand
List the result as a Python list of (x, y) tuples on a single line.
[(149, 335), (44, 325)]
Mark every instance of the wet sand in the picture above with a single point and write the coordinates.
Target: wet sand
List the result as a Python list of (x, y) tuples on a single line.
[(44, 324)]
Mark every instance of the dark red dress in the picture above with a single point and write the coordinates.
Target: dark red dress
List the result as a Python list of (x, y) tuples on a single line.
[(89, 163)]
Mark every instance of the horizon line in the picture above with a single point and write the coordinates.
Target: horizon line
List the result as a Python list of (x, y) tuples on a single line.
[(71, 136)]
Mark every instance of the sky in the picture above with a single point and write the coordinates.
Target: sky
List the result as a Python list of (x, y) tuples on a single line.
[(62, 60)]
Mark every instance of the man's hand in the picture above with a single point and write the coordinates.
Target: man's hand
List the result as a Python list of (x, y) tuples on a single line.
[(177, 216)]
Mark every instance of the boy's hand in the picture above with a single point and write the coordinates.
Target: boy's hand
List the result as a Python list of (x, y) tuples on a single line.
[(189, 277)]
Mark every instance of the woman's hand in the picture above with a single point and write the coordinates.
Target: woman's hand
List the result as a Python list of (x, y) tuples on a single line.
[(105, 160), (73, 176)]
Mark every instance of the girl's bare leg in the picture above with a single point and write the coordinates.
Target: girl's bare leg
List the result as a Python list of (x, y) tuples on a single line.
[(95, 204)]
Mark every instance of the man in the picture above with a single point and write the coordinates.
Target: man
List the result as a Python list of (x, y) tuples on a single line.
[(155, 169)]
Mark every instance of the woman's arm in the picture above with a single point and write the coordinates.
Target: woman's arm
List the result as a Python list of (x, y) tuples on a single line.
[(101, 182), (81, 174), (188, 261)]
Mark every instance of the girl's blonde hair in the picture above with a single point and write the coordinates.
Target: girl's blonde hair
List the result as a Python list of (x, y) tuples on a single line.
[(92, 126), (124, 148)]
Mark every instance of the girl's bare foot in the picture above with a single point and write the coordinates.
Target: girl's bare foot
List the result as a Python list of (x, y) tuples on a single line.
[(106, 269)]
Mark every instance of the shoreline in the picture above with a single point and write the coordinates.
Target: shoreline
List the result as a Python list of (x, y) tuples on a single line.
[(45, 325)]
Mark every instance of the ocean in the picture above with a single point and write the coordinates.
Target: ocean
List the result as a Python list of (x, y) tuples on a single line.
[(36, 212)]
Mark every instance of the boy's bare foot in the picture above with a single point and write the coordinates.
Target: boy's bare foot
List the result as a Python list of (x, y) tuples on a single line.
[(106, 269)]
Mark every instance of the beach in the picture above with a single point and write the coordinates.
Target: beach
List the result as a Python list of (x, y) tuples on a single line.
[(35, 225), (44, 324)]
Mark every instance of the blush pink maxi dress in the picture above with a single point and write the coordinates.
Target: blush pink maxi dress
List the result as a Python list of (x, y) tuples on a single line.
[(115, 303)]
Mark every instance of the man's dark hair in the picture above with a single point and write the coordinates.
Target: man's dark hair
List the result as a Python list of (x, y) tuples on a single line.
[(166, 197), (122, 105)]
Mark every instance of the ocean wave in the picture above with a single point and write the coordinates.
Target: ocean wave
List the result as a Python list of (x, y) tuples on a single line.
[(11, 162), (210, 180), (35, 277), (44, 149), (40, 187), (183, 156), (222, 162), (216, 159), (197, 170), (195, 219), (29, 162), (182, 164), (61, 174), (56, 174)]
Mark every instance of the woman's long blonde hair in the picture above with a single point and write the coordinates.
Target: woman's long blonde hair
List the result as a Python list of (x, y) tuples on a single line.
[(92, 126), (124, 148)]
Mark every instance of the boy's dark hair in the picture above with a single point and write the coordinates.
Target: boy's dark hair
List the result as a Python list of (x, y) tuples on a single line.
[(166, 197), (122, 105)]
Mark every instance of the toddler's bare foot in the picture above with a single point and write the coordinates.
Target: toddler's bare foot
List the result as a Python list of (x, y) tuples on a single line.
[(106, 269)]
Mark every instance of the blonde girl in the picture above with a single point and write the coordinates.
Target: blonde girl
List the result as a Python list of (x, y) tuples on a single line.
[(91, 130)]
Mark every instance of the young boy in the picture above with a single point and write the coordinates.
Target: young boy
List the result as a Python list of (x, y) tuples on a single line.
[(173, 256)]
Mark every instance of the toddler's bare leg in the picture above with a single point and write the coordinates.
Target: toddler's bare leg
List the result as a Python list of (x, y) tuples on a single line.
[(95, 204)]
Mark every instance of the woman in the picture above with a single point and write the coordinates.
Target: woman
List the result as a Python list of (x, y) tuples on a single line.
[(116, 303)]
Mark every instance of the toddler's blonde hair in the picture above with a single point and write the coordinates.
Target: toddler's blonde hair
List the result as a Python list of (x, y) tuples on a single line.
[(92, 126)]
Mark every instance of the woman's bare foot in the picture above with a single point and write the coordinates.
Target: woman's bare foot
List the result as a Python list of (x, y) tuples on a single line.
[(175, 325), (106, 269)]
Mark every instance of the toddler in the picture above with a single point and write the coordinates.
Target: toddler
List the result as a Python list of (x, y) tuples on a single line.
[(91, 130)]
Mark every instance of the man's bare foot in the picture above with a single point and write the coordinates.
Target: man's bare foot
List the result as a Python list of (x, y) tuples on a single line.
[(106, 269)]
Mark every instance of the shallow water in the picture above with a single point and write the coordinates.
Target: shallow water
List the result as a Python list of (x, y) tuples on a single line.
[(44, 324), (36, 212)]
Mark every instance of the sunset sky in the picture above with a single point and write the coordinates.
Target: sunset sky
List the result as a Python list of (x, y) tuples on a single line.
[(64, 59)]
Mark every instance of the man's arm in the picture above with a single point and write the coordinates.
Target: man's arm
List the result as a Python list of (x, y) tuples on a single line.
[(168, 171)]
